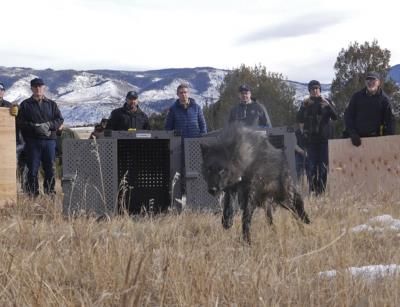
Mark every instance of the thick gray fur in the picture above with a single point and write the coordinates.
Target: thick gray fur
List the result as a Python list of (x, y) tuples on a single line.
[(243, 162)]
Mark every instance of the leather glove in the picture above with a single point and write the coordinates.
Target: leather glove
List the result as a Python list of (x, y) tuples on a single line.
[(14, 110), (355, 139), (43, 129)]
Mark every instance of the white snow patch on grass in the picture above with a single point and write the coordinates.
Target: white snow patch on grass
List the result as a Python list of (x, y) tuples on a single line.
[(369, 272)]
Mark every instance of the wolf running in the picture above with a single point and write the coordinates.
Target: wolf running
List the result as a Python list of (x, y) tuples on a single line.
[(243, 163)]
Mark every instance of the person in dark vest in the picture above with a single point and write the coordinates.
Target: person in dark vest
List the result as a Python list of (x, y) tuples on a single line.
[(129, 116), (369, 112), (99, 128), (314, 117), (249, 111), (39, 119), (185, 116)]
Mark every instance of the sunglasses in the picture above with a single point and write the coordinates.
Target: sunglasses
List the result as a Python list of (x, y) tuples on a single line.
[(315, 88), (370, 79)]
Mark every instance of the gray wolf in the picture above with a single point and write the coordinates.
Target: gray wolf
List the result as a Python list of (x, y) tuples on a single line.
[(243, 163)]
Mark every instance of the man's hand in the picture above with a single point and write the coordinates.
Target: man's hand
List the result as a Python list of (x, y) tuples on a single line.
[(355, 139), (43, 129), (14, 110)]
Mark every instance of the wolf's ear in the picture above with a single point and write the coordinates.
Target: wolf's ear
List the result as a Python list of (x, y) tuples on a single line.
[(204, 149)]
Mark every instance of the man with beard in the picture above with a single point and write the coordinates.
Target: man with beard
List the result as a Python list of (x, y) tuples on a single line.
[(313, 117), (129, 116), (369, 112)]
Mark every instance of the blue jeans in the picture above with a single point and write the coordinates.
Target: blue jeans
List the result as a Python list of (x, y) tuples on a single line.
[(40, 151), (318, 164)]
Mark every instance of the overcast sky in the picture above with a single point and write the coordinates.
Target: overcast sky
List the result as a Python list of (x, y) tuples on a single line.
[(299, 39)]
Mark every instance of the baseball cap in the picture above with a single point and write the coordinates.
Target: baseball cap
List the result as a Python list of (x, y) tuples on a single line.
[(372, 75), (132, 95), (36, 82), (244, 88)]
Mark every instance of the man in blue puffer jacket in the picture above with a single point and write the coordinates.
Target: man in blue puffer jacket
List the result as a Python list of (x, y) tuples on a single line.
[(185, 116)]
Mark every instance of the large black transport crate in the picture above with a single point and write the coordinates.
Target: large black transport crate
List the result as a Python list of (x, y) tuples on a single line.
[(128, 171)]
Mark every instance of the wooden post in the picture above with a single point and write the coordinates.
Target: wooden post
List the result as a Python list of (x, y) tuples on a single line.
[(369, 170), (8, 164)]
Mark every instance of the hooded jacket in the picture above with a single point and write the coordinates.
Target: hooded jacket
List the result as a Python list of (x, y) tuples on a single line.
[(250, 114)]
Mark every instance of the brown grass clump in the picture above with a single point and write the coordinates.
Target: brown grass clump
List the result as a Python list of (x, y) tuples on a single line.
[(190, 260)]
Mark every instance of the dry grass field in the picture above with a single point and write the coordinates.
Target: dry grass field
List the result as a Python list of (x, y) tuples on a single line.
[(190, 260)]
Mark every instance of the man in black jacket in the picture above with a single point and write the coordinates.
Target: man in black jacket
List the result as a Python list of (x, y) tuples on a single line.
[(314, 117), (369, 112), (248, 111), (39, 119), (130, 116)]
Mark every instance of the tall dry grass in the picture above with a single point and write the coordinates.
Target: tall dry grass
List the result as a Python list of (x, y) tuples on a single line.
[(189, 260)]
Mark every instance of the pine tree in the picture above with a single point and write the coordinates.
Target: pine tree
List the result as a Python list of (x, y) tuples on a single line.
[(351, 67), (268, 88)]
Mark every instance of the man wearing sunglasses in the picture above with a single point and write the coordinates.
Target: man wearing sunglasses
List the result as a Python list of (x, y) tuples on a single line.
[(369, 112)]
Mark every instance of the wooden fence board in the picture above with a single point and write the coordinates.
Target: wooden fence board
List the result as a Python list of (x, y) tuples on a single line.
[(368, 170), (8, 180)]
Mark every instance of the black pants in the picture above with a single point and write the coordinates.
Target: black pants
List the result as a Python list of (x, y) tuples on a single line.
[(318, 167)]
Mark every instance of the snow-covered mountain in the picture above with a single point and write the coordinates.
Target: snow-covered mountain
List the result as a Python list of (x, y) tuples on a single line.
[(85, 97), (394, 73)]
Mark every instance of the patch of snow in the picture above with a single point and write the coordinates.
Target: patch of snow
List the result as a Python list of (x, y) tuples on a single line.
[(378, 224), (370, 272)]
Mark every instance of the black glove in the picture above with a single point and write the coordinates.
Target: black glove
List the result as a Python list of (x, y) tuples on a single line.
[(43, 129), (306, 136), (355, 139)]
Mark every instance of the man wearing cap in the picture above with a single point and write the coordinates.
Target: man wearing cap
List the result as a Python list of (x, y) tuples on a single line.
[(369, 112), (185, 115), (314, 118), (6, 104), (39, 119), (248, 111), (129, 116)]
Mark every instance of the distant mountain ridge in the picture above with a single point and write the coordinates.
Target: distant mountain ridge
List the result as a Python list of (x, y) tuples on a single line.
[(394, 73), (84, 97)]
